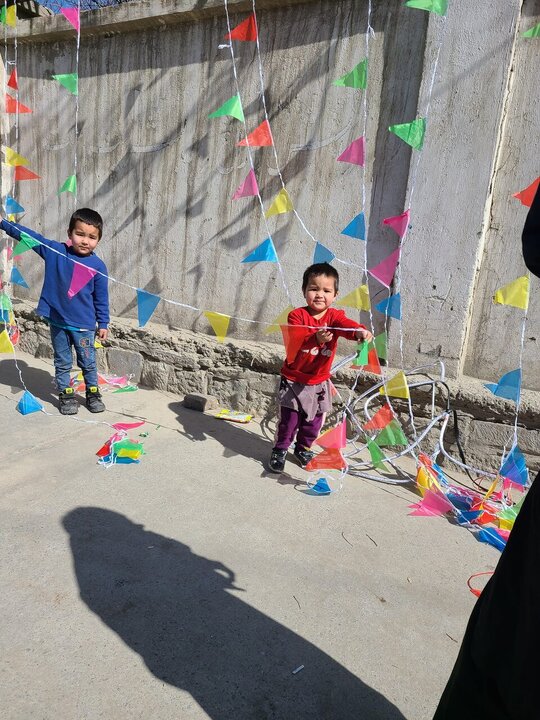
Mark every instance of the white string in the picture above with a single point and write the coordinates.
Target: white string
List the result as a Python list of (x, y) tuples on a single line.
[(77, 101)]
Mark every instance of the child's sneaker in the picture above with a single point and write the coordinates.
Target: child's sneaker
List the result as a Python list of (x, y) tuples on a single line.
[(277, 460), (94, 401), (303, 455), (68, 404)]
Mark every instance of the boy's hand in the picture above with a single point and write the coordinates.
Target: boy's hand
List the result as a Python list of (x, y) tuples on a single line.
[(102, 333), (324, 336), (363, 335)]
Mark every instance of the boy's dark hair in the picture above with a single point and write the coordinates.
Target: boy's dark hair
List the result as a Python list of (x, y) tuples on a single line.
[(320, 269), (88, 216)]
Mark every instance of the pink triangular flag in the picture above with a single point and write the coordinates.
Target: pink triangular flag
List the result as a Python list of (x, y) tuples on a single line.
[(72, 16), (433, 503), (81, 276), (127, 426), (336, 437), (248, 188), (384, 271), (355, 153), (398, 223)]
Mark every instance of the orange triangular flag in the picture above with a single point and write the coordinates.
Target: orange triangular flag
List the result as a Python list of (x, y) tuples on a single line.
[(336, 437), (293, 339), (373, 364), (526, 196), (12, 82), (380, 420), (14, 106), (260, 137), (246, 31), (329, 459), (22, 173)]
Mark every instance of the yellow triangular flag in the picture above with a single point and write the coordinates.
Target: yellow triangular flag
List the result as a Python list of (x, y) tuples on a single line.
[(13, 158), (5, 343), (11, 16), (281, 319), (281, 204), (358, 298), (515, 293), (219, 323), (396, 386)]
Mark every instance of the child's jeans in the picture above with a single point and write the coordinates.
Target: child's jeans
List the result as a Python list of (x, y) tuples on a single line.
[(83, 342), (291, 422)]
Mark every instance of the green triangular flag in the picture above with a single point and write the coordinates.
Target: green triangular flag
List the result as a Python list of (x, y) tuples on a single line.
[(361, 354), (381, 345), (533, 32), (25, 243), (391, 435), (70, 81), (5, 302), (70, 185), (437, 6), (357, 78), (377, 455), (128, 388), (412, 133), (232, 107)]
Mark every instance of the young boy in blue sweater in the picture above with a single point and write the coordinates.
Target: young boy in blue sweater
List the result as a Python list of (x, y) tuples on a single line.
[(73, 314)]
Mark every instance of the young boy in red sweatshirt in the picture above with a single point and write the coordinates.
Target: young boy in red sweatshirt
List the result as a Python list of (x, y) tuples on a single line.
[(304, 393)]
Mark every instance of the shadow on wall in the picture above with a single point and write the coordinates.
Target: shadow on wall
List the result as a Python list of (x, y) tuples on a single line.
[(186, 618)]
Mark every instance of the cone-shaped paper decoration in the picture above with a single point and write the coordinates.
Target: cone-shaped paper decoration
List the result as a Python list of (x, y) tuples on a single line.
[(232, 107), (12, 82), (384, 271), (391, 435), (381, 345), (515, 293), (13, 106), (70, 185), (356, 228), (371, 365), (390, 306), (248, 188), (17, 278), (246, 31), (436, 6), (281, 319), (282, 204), (412, 133), (22, 173), (293, 339), (362, 355), (336, 437), (146, 304), (12, 206), (322, 254), (357, 78), (377, 455), (72, 16), (260, 137), (329, 459), (358, 299), (25, 243), (398, 223), (70, 81), (380, 420), (13, 158), (525, 196), (81, 277), (515, 467), (532, 32), (265, 252), (396, 386), (433, 503), (8, 16), (509, 386), (219, 323), (28, 404), (355, 153), (5, 343)]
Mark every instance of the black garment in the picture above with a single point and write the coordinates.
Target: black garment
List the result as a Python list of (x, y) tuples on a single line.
[(531, 242)]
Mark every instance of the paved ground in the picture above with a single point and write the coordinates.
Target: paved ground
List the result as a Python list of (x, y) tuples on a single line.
[(192, 585)]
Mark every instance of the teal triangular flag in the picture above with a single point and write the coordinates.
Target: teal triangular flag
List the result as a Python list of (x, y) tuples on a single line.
[(390, 306), (232, 107), (412, 133), (17, 278), (146, 304), (509, 386), (321, 487), (437, 6), (356, 228), (28, 404), (12, 206), (265, 252), (70, 81), (357, 78), (322, 254), (532, 32)]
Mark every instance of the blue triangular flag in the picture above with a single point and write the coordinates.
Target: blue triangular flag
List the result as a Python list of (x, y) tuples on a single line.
[(391, 306), (514, 467), (508, 387), (146, 304), (17, 278), (28, 404), (265, 252), (491, 536), (12, 206), (356, 228), (322, 254), (321, 487), (465, 517)]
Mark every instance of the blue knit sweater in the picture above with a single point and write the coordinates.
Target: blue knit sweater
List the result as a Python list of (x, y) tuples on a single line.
[(89, 306)]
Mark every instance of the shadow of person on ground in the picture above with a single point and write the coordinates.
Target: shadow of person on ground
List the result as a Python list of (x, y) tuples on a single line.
[(39, 382), (184, 615)]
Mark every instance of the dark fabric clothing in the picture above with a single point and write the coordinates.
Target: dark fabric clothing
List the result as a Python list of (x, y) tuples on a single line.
[(293, 423), (531, 242), (62, 341), (495, 676), (310, 400)]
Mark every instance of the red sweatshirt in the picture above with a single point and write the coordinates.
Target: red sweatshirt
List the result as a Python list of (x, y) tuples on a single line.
[(311, 364)]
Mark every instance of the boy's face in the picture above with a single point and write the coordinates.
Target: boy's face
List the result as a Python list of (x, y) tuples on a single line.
[(84, 238), (320, 293)]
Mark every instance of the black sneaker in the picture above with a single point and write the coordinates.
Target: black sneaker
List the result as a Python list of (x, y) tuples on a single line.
[(94, 401), (68, 402), (303, 455), (277, 460)]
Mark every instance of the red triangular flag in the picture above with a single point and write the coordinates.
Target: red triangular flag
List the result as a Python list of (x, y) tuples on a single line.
[(380, 420), (526, 196), (329, 459), (260, 137), (12, 82), (22, 173), (82, 274), (14, 106), (293, 339), (373, 366), (246, 31), (336, 437)]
